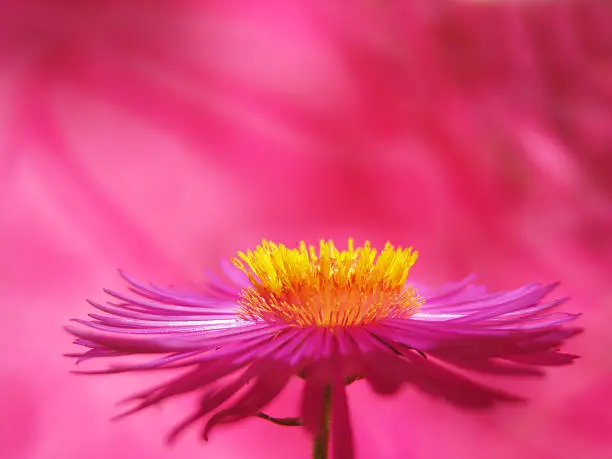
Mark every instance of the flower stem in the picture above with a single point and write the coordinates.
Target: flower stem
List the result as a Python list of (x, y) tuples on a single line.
[(287, 422), (320, 448)]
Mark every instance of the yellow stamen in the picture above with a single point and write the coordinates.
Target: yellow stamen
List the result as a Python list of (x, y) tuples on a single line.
[(332, 289)]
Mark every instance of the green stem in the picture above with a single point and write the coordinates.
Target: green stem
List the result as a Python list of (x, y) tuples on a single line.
[(287, 422), (320, 448)]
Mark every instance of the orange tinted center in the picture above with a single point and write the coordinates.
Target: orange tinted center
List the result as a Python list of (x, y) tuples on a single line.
[(331, 288)]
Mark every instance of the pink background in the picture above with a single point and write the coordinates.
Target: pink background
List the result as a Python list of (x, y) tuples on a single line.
[(161, 136)]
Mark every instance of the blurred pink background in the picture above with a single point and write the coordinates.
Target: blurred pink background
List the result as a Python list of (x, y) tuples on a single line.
[(161, 136)]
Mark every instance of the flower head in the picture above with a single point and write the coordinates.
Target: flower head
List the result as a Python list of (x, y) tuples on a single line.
[(332, 289), (330, 317)]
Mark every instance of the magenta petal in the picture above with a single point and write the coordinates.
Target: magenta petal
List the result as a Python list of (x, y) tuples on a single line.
[(271, 380), (209, 402), (188, 343), (162, 295), (380, 362), (131, 345), (440, 382), (94, 353), (312, 405), (491, 366), (550, 339), (341, 431), (381, 372), (142, 327), (234, 274), (513, 301), (149, 301), (450, 290), (193, 380), (259, 370), (132, 311), (544, 358)]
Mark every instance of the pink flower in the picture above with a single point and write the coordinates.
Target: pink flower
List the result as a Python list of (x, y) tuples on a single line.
[(476, 131), (330, 318)]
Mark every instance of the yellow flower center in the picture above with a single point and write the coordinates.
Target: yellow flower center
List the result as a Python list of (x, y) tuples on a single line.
[(330, 289)]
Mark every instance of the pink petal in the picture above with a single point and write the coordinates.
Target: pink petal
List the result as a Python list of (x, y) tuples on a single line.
[(341, 429), (312, 405), (271, 379)]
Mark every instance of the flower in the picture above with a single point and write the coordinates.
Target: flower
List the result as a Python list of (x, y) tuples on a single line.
[(507, 144), (331, 318)]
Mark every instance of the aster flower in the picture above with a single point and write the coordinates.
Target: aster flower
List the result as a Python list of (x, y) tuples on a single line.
[(330, 317)]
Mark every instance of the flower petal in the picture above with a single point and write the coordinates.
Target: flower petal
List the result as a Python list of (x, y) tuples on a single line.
[(341, 430), (271, 379), (380, 362), (434, 379), (312, 404), (196, 378), (212, 400)]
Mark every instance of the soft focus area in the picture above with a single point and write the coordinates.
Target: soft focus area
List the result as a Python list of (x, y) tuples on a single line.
[(161, 136)]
